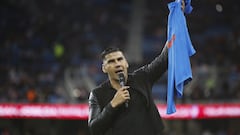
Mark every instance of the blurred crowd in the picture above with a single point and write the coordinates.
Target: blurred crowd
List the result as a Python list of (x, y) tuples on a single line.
[(40, 39)]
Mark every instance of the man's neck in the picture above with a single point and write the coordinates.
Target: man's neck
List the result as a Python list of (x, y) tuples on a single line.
[(115, 84)]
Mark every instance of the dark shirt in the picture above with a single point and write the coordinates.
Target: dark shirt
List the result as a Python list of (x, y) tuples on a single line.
[(130, 116)]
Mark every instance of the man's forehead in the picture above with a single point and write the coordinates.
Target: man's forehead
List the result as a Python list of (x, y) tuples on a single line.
[(114, 55)]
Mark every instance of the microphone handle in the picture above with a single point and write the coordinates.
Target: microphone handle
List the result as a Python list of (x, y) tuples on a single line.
[(126, 103)]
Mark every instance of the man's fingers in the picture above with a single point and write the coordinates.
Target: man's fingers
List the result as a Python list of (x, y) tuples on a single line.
[(124, 88), (121, 96), (183, 5), (125, 93)]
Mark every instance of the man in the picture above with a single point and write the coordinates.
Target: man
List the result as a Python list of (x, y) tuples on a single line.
[(108, 113)]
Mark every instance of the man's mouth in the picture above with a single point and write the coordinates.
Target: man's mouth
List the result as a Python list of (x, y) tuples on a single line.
[(118, 71)]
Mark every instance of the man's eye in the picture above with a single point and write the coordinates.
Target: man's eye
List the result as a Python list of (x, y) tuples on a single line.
[(119, 59), (110, 61)]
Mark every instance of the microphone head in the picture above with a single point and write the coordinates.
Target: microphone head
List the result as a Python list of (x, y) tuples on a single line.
[(121, 78)]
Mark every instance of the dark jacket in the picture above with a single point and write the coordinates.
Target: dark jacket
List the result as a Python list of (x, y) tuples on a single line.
[(101, 115)]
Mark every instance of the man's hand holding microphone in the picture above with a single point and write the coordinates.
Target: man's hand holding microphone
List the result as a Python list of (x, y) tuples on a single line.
[(122, 95)]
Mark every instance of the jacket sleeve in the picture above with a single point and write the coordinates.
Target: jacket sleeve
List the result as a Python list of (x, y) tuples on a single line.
[(99, 120), (158, 66)]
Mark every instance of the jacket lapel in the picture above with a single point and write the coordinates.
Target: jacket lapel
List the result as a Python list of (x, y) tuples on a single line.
[(141, 87)]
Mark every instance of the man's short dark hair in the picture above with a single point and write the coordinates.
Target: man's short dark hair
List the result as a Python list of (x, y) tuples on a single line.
[(108, 50)]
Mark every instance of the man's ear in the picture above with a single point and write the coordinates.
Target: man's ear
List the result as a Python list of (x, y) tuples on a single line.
[(103, 68)]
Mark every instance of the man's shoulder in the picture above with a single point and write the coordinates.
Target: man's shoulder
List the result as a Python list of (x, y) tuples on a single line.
[(102, 93), (100, 87), (139, 71), (138, 74)]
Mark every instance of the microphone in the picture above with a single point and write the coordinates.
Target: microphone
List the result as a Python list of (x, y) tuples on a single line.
[(122, 83)]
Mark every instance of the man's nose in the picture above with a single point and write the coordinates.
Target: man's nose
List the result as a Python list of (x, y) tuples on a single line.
[(118, 64)]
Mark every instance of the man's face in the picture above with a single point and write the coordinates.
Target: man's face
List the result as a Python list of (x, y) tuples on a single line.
[(114, 63)]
